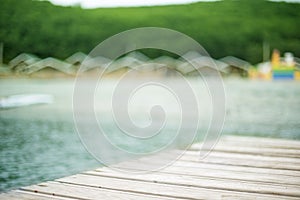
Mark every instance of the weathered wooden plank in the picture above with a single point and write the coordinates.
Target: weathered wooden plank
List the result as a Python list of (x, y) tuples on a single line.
[(85, 192), (195, 162), (267, 151), (207, 182), (156, 187), (245, 156), (234, 168), (241, 161), (286, 163), (22, 195), (225, 174), (260, 142), (245, 162), (168, 158)]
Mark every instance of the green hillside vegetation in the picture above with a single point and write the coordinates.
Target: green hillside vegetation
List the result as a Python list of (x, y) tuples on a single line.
[(224, 28)]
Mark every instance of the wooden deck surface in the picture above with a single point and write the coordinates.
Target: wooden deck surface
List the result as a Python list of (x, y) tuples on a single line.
[(238, 168)]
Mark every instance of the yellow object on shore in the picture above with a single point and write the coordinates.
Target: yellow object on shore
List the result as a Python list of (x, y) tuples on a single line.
[(267, 76), (275, 58), (297, 75)]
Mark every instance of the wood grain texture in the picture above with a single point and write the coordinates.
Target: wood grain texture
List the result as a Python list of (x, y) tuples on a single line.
[(238, 168)]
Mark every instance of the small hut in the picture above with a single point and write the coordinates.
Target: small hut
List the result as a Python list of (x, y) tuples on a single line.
[(48, 67), (21, 61), (235, 65)]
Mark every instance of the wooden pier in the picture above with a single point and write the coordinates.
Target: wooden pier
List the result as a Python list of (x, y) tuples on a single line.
[(238, 168)]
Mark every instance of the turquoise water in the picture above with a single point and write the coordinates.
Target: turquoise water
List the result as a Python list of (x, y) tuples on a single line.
[(39, 143), (38, 150)]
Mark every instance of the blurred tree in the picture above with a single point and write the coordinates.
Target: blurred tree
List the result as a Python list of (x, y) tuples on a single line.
[(229, 27)]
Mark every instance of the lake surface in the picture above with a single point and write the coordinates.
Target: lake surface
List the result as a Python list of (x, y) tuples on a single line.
[(39, 143)]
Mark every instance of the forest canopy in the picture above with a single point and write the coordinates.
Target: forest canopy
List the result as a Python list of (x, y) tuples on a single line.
[(238, 28)]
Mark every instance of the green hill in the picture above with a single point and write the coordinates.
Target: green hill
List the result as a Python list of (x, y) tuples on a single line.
[(224, 28)]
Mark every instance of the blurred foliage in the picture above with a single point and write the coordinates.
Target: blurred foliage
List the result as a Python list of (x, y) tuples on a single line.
[(224, 28)]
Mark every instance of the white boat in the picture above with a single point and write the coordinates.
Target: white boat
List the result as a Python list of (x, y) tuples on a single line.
[(21, 100)]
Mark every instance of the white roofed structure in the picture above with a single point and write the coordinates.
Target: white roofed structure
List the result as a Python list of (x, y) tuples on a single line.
[(77, 58), (23, 59), (236, 62), (50, 62)]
